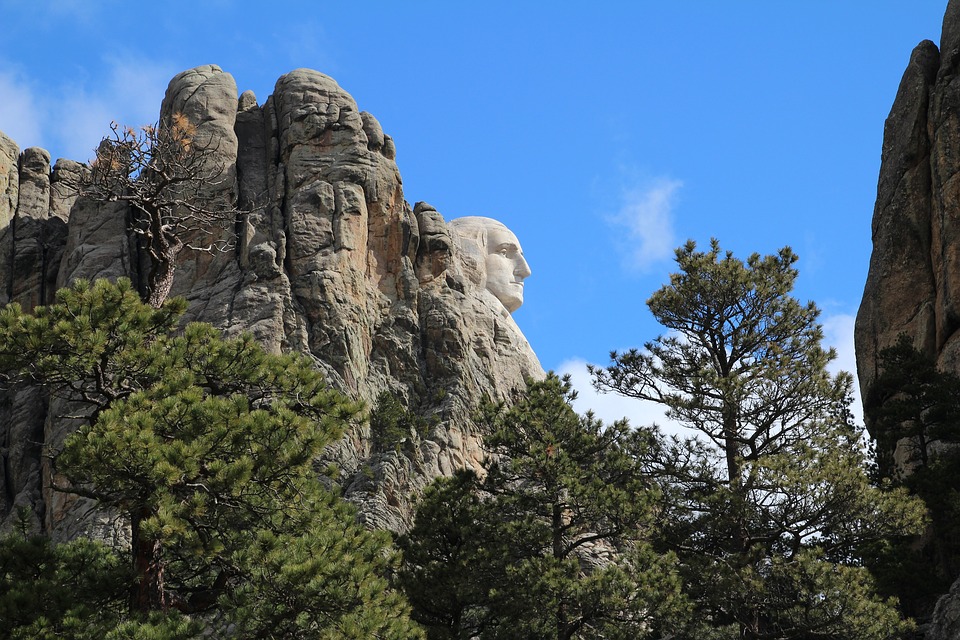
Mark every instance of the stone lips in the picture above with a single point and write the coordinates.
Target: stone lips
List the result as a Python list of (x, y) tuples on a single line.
[(327, 259)]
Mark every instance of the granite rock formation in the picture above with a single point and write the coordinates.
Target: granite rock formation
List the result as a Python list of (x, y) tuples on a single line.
[(327, 259), (913, 285)]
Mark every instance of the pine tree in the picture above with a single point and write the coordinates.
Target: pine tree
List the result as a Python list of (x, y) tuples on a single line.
[(205, 447), (51, 591), (550, 544), (767, 506), (451, 558), (914, 408), (912, 403)]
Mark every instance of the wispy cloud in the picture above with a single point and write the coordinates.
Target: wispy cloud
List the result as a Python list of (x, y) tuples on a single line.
[(306, 44), (70, 119), (139, 85), (77, 125), (21, 117), (646, 220), (60, 10), (130, 92)]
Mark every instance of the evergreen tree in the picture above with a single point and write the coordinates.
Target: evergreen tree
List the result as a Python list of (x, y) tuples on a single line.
[(52, 591), (914, 407), (205, 447), (452, 559), (768, 505), (912, 403), (550, 544)]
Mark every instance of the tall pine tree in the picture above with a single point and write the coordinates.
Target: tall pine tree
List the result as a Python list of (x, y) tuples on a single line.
[(767, 505), (914, 409)]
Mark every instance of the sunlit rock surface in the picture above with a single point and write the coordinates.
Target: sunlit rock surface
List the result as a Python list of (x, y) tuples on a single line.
[(913, 286), (327, 259)]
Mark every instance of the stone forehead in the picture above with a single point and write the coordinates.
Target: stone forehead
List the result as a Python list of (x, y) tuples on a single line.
[(477, 227)]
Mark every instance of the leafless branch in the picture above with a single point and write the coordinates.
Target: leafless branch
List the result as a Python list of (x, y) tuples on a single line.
[(180, 192)]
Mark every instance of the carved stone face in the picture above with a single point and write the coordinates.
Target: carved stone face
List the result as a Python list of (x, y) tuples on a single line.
[(506, 267), (492, 258)]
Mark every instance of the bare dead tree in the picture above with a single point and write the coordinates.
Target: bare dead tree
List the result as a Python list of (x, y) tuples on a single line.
[(173, 180)]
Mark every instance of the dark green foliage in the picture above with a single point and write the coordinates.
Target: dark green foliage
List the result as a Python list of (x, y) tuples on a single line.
[(509, 557), (915, 406), (206, 446), (449, 562), (391, 423), (769, 504), (912, 399), (56, 591), (93, 346), (74, 591)]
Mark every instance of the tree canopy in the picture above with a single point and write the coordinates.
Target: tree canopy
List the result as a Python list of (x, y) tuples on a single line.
[(768, 503), (205, 446), (550, 544)]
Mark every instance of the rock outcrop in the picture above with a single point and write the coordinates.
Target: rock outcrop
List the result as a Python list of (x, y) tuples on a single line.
[(945, 622), (327, 258), (913, 286)]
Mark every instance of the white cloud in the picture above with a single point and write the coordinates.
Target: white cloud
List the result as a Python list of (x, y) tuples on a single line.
[(838, 333), (129, 93), (646, 215), (138, 85), (70, 119), (611, 407), (307, 43), (79, 123), (21, 117)]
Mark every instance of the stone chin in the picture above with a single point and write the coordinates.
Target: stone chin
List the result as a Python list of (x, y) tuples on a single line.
[(510, 296)]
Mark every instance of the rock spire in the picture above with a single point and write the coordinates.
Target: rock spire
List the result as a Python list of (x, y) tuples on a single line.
[(327, 259)]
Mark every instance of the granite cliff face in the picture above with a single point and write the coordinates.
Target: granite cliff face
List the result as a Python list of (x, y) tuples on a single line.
[(327, 259), (913, 285)]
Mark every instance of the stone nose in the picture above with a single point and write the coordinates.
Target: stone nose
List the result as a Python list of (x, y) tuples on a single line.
[(522, 270)]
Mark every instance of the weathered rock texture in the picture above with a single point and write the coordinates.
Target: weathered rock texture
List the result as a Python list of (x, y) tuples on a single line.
[(945, 623), (913, 286), (327, 259)]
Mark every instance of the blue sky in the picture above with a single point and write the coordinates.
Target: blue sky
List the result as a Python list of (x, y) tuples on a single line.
[(603, 135)]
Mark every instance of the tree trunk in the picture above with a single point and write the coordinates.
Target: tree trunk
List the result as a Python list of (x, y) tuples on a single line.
[(148, 592), (163, 257), (160, 282), (558, 553)]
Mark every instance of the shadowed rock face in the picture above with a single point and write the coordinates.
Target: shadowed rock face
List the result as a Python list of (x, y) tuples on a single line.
[(901, 293), (913, 286), (327, 259)]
